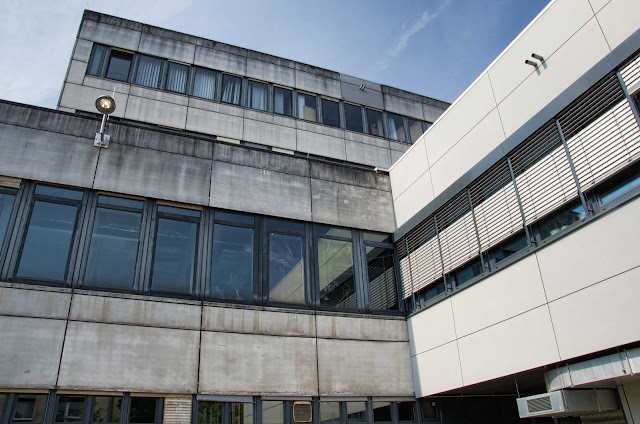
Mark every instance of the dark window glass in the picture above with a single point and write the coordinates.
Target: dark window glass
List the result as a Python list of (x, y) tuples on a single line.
[(467, 272), (374, 122), (3, 399), (149, 71), (415, 129), (382, 279), (204, 84), (323, 230), (406, 411), (429, 410), (179, 211), (356, 412), (307, 107), (560, 220), (431, 291), (287, 226), (99, 52), (232, 263), (120, 201), (272, 412), (119, 65), (335, 270), (375, 237), (241, 413), (46, 248), (231, 89), (282, 101), (174, 259), (30, 409), (209, 412), (330, 113), (330, 412), (177, 77), (234, 217), (511, 246), (286, 269), (59, 192), (382, 412), (106, 409), (6, 206), (143, 410), (395, 126), (616, 187), (114, 249), (70, 409), (353, 117), (257, 95)]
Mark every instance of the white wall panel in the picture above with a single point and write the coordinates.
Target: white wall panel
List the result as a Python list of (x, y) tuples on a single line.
[(437, 370), (34, 303), (431, 328), (153, 111), (409, 168), (413, 199), (619, 20)]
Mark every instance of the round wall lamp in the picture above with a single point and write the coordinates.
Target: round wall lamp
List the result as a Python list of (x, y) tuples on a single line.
[(106, 106)]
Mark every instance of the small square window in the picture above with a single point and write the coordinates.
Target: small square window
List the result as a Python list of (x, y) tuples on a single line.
[(119, 66), (257, 95), (282, 101), (395, 125), (148, 73), (353, 117), (231, 89), (330, 113), (177, 77), (307, 107), (204, 83), (374, 122)]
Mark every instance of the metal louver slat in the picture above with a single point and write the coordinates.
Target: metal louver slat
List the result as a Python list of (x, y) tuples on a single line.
[(405, 268), (631, 72), (456, 232), (423, 256)]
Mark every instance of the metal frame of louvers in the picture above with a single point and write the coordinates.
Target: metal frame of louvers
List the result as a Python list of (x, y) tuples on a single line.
[(591, 139)]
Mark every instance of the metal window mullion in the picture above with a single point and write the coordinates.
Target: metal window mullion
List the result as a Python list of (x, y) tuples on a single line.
[(475, 226), (16, 217), (362, 275), (632, 104), (20, 230), (515, 187), (143, 277), (573, 168), (310, 260), (413, 299), (80, 260), (203, 253)]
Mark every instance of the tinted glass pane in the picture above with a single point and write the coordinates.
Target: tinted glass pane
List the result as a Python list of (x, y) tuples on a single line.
[(432, 291), (415, 129), (3, 399), (148, 71), (257, 95), (335, 270), (241, 413), (282, 101), (561, 220), (177, 77), (381, 412), (289, 226), (395, 127), (46, 247), (30, 409), (330, 113), (98, 56), (429, 411), (209, 412), (6, 206), (173, 262), (323, 230), (106, 409), (467, 272), (378, 238), (374, 122), (70, 409), (114, 249), (231, 89), (179, 211), (307, 107), (272, 412), (510, 247), (382, 279), (406, 411), (232, 263), (119, 201), (356, 412), (119, 64), (234, 217), (204, 84), (286, 269), (65, 193), (613, 189), (143, 410), (330, 412), (353, 117)]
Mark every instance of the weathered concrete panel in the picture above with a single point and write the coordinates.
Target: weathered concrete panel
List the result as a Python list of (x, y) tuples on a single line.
[(214, 123), (107, 87), (317, 84), (128, 358), (344, 371), (248, 189), (258, 322), (145, 172), (269, 365), (264, 71), (212, 106), (359, 328), (82, 50), (167, 48), (163, 96), (221, 61), (368, 155), (76, 72), (319, 144), (30, 352), (260, 159), (156, 112), (47, 156), (34, 303), (351, 206), (149, 313), (398, 147), (84, 98), (370, 96), (319, 129), (431, 113), (367, 139), (110, 35), (359, 81), (269, 134), (270, 118), (395, 156), (403, 106), (350, 176)]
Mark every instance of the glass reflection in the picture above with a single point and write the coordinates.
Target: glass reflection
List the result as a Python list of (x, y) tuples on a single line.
[(173, 262), (29, 409), (106, 409), (382, 412), (6, 206), (395, 126), (307, 107), (119, 64), (406, 411), (242, 413), (353, 117), (374, 122), (70, 409), (143, 410), (286, 269), (330, 412), (272, 412), (468, 272), (560, 220), (282, 101), (209, 412), (382, 279), (356, 412), (335, 271), (330, 113), (232, 263)]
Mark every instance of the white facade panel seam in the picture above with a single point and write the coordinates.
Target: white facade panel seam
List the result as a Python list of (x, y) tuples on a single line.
[(504, 136), (455, 333), (600, 26), (595, 284), (411, 185)]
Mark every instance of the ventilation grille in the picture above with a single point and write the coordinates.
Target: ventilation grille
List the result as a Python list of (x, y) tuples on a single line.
[(302, 412), (539, 405), (177, 410)]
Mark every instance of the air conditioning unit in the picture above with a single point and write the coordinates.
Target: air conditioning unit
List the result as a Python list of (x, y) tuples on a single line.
[(302, 412), (567, 402)]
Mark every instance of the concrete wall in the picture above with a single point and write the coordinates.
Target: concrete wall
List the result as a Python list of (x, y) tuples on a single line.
[(45, 145), (561, 302), (207, 117), (53, 338), (580, 41)]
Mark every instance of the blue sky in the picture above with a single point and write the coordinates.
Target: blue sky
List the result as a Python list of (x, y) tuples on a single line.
[(431, 47)]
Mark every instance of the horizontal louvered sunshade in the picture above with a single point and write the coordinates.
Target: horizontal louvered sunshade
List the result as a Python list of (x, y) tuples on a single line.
[(423, 265), (631, 72), (456, 231)]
